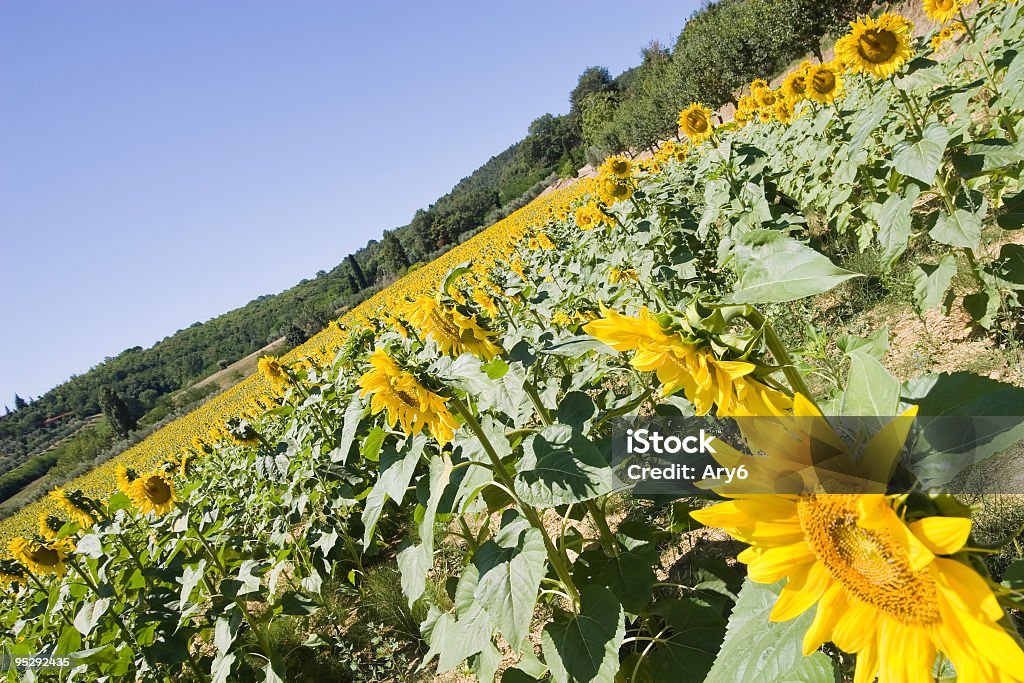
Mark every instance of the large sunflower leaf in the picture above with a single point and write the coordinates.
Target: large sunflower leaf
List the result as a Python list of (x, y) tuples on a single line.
[(585, 649), (756, 650)]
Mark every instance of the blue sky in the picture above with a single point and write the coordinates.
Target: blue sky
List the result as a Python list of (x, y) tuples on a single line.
[(165, 162)]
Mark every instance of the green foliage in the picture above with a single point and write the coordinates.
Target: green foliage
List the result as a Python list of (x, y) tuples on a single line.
[(116, 412)]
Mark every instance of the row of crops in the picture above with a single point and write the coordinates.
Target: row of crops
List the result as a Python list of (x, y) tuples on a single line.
[(467, 411)]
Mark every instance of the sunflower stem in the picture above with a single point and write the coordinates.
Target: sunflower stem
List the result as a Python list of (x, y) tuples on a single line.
[(556, 558), (775, 345)]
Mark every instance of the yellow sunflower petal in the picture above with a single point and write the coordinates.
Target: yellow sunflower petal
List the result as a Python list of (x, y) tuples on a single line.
[(942, 535)]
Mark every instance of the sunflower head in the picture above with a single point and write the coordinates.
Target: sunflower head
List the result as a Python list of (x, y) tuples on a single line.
[(795, 84), (12, 573), (941, 11), (878, 47), (454, 332), (613, 191), (618, 166), (153, 492), (42, 557), (695, 122), (274, 372), (49, 525), (405, 400), (824, 82), (78, 506)]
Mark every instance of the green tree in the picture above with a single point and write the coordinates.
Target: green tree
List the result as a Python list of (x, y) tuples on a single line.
[(116, 412), (357, 272), (19, 402), (594, 79), (393, 258), (597, 116)]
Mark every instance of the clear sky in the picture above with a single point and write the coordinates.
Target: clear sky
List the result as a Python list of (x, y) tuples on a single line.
[(164, 162)]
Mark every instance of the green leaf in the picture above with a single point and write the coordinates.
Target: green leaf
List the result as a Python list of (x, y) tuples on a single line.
[(222, 668), (921, 159), (875, 344), (575, 409), (509, 581), (932, 281), (756, 650), (983, 307), (818, 667), (585, 648), (415, 561), (397, 467), (578, 346), (985, 156), (296, 604), (225, 630), (370, 446), (190, 578), (354, 413), (457, 639), (895, 223), (773, 268), (1009, 266), (961, 229), (560, 466), (981, 417), (870, 388), (1013, 577), (628, 575), (690, 647), (373, 507), (1011, 215), (90, 614)]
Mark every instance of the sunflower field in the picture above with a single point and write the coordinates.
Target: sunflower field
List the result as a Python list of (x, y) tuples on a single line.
[(455, 429)]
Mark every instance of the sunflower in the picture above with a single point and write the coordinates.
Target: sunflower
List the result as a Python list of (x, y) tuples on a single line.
[(273, 372), (49, 525), (590, 216), (695, 122), (42, 558), (795, 84), (616, 275), (485, 301), (454, 332), (885, 589), (517, 267), (76, 504), (153, 492), (876, 46), (783, 110), (613, 191), (941, 11), (545, 242), (757, 85), (824, 82), (946, 33), (406, 401), (12, 572), (767, 97), (705, 379), (618, 166), (561, 318)]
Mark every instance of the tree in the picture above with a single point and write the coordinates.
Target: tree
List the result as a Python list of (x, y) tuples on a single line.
[(116, 412), (594, 79), (393, 258), (357, 272), (19, 402), (549, 139), (293, 334), (597, 112)]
